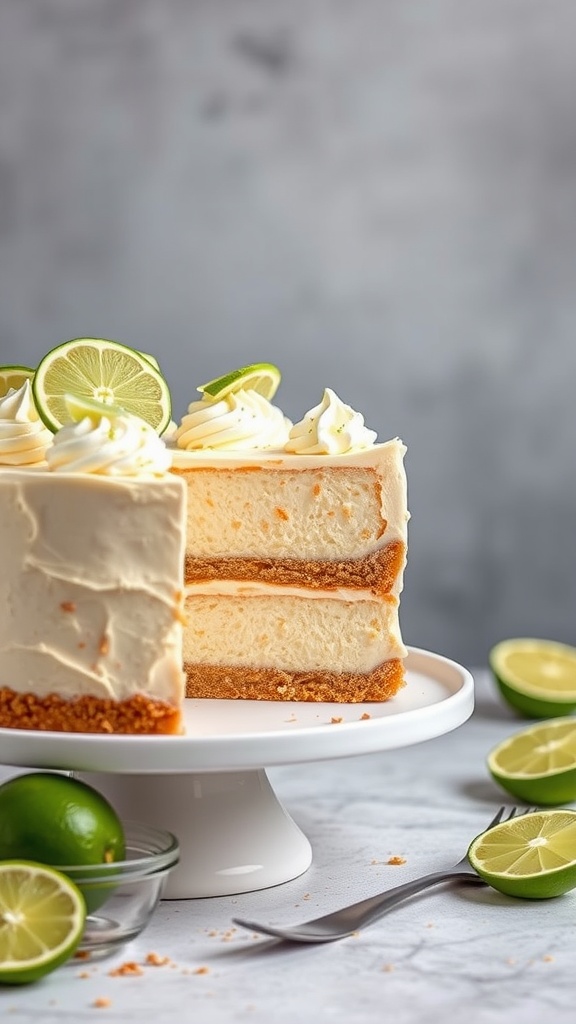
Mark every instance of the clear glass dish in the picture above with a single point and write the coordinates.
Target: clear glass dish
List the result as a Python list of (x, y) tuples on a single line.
[(121, 897)]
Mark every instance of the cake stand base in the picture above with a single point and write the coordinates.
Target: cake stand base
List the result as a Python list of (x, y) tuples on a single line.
[(234, 834)]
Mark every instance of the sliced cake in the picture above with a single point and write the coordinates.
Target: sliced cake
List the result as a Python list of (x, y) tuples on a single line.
[(295, 552)]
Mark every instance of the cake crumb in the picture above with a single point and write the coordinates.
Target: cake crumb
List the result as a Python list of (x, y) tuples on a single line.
[(335, 721), (102, 1002), (396, 860), (68, 606), (82, 954), (128, 969), (388, 967), (83, 974), (201, 970), (548, 959), (365, 716), (155, 960)]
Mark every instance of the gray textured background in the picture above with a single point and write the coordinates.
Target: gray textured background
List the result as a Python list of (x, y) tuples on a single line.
[(377, 195)]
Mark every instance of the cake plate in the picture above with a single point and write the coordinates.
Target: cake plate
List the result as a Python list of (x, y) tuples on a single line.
[(210, 786)]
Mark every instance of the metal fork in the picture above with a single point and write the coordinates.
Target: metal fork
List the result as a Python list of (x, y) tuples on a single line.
[(344, 922)]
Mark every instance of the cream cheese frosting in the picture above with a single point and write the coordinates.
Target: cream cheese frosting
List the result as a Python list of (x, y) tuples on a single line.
[(115, 444), (243, 419), (24, 440), (330, 428)]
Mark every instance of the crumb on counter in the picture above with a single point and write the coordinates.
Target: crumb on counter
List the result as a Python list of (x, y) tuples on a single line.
[(201, 970), (365, 717), (334, 720), (396, 860), (155, 960), (102, 1002), (126, 970)]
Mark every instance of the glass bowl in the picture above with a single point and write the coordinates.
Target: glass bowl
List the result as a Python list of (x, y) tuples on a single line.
[(121, 897)]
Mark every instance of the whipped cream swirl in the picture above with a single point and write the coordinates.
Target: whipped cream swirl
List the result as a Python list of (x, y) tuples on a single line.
[(23, 437), (330, 428), (115, 445), (243, 419)]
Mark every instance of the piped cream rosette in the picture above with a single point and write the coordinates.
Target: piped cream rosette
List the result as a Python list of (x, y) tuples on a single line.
[(106, 440), (24, 440)]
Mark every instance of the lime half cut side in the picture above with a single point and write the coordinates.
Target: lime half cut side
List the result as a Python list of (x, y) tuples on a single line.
[(536, 677), (13, 377), (104, 371), (538, 765), (532, 856), (264, 378), (42, 916)]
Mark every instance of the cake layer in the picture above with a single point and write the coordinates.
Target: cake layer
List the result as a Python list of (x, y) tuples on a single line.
[(276, 506), (138, 714), (91, 587), (378, 572), (233, 683), (292, 630)]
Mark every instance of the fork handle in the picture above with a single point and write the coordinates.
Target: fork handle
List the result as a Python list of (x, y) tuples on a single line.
[(368, 910)]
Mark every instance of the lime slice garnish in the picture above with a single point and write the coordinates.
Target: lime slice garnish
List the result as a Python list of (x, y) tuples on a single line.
[(42, 915), (264, 378), (536, 677), (538, 765), (105, 371), (532, 856), (13, 377)]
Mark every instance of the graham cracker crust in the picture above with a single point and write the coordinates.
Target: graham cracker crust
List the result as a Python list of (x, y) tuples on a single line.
[(239, 683), (377, 572), (138, 715)]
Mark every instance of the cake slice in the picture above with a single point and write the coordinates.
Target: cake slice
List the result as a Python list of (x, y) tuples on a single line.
[(295, 553)]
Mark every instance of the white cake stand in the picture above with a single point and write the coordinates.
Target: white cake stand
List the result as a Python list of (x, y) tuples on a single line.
[(210, 786)]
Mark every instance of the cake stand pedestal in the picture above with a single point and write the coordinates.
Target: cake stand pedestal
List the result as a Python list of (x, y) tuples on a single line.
[(210, 786)]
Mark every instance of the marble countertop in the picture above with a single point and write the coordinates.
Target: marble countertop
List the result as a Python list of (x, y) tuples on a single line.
[(451, 952)]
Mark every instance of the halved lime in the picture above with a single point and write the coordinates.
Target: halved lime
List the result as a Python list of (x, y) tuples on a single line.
[(264, 378), (42, 916), (13, 377), (532, 856), (538, 765), (536, 677), (105, 371)]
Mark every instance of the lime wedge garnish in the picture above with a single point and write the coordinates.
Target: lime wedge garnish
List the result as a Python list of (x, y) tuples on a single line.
[(80, 407), (13, 377), (42, 915), (536, 677), (105, 371), (532, 856), (264, 378)]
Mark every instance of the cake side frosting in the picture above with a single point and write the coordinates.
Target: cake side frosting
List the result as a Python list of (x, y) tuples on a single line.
[(92, 587)]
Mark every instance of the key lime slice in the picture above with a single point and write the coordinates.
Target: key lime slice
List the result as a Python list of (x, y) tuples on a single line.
[(13, 377), (536, 677), (538, 765), (532, 856), (42, 916), (264, 378), (105, 371)]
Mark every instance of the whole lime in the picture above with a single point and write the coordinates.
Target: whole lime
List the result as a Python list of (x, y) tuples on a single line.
[(60, 821)]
